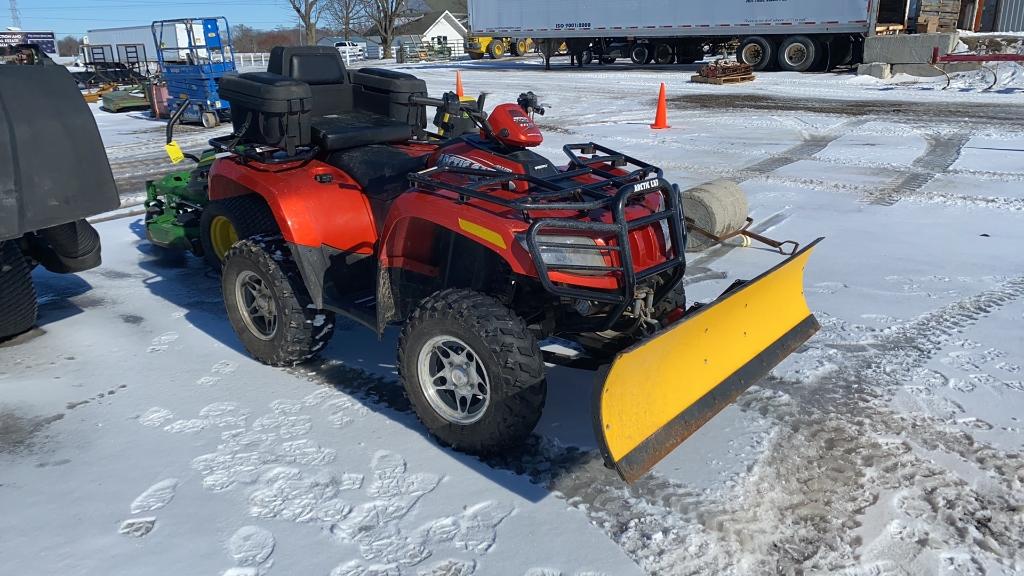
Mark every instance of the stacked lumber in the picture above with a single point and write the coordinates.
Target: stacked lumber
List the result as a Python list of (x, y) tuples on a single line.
[(722, 72), (944, 13)]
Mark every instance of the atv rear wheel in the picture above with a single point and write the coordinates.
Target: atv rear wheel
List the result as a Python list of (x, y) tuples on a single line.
[(225, 222), (472, 370), (18, 306), (268, 304)]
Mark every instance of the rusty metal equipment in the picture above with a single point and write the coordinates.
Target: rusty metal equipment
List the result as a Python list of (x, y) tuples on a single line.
[(980, 58), (724, 72)]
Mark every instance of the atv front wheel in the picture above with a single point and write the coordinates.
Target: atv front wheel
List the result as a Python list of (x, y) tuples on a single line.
[(225, 222), (269, 306), (18, 307), (472, 370)]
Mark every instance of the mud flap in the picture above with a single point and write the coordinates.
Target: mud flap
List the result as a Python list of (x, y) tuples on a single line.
[(658, 392)]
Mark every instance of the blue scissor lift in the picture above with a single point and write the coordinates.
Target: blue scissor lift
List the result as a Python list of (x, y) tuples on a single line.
[(193, 54)]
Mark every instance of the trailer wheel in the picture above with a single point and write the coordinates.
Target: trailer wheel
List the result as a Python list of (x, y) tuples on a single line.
[(798, 53), (607, 60), (756, 51), (840, 51), (588, 58), (472, 370), (663, 54), (225, 222), (640, 53), (720, 207), (496, 49), (18, 305), (268, 304)]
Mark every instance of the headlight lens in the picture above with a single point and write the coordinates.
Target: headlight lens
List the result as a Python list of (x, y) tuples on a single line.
[(563, 255)]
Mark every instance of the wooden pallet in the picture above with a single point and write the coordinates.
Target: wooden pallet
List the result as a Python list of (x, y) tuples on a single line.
[(719, 81)]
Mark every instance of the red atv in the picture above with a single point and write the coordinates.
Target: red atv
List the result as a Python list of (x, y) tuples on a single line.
[(332, 197)]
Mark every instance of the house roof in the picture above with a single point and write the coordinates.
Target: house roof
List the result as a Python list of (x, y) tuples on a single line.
[(418, 26)]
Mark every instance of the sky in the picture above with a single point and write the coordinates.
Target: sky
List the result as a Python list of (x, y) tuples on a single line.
[(75, 17)]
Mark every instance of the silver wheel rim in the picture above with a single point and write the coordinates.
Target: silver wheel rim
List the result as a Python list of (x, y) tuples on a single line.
[(256, 305), (752, 54), (796, 54), (453, 380)]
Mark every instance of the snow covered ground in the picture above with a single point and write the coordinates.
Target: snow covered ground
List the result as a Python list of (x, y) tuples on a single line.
[(136, 437)]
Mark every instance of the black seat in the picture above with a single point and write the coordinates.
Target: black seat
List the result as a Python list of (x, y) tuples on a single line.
[(352, 129), (337, 123), (381, 170)]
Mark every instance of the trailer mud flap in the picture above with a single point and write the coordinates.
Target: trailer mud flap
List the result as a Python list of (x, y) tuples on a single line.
[(660, 391)]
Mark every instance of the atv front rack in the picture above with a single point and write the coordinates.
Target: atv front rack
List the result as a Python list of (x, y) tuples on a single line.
[(562, 191), (556, 192)]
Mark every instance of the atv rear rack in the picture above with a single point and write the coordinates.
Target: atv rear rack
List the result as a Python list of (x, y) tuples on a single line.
[(561, 192)]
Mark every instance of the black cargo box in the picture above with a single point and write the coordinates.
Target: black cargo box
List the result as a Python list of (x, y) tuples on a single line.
[(387, 92), (269, 109)]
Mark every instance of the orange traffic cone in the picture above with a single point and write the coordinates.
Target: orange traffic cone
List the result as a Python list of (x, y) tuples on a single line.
[(458, 84), (661, 118)]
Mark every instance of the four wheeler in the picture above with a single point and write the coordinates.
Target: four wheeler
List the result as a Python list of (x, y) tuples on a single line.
[(53, 174), (336, 199)]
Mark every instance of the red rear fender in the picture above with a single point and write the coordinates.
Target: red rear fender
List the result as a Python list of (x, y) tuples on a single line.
[(313, 205)]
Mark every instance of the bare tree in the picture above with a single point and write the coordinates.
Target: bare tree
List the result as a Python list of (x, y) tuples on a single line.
[(308, 12), (384, 15), (347, 15), (69, 46)]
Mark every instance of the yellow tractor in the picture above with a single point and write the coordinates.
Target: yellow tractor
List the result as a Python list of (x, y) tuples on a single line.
[(477, 46)]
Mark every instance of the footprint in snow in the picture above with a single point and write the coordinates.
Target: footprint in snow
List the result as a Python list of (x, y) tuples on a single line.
[(156, 496), (155, 417), (160, 343), (137, 527), (251, 546), (224, 367)]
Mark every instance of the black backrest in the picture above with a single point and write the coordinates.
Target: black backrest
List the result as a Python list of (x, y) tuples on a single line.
[(322, 68)]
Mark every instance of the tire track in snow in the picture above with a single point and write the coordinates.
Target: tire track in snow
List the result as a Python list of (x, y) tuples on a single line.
[(837, 450), (841, 449), (942, 152)]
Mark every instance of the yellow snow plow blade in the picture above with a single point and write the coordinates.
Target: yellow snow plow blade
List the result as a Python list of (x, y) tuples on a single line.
[(660, 391)]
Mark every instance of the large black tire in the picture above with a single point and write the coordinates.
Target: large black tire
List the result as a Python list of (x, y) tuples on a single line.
[(496, 49), (475, 55), (18, 307), (498, 342), (75, 247), (247, 215), (520, 47), (640, 53), (299, 330), (663, 54), (757, 51), (798, 53)]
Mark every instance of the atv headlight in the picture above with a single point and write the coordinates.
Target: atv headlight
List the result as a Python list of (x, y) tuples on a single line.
[(568, 255)]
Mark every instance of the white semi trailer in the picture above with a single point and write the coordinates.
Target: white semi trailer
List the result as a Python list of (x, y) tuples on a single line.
[(134, 45), (794, 35)]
